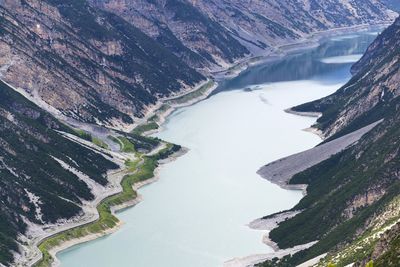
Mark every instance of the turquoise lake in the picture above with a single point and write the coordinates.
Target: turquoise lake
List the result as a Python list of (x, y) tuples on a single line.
[(197, 213)]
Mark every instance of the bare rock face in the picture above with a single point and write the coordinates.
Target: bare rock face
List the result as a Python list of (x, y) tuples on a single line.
[(205, 33), (365, 199), (85, 63)]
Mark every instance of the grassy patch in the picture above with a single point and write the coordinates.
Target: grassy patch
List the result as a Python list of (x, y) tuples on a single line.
[(164, 108), (82, 134), (99, 142), (192, 95), (151, 125), (127, 146), (88, 137), (153, 118)]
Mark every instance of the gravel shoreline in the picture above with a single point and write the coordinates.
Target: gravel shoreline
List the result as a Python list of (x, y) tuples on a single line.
[(280, 172)]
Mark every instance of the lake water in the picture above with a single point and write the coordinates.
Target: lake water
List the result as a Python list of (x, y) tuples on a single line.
[(196, 215)]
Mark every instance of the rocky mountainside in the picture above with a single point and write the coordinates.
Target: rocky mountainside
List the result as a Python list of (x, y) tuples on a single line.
[(352, 202), (216, 32), (35, 184), (109, 61), (86, 63), (365, 98), (180, 27)]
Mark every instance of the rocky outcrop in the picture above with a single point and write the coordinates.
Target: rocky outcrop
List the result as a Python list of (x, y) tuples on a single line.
[(367, 198)]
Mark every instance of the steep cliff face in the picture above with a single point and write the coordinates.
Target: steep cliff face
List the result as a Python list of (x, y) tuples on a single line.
[(86, 63), (352, 198), (35, 186), (218, 31)]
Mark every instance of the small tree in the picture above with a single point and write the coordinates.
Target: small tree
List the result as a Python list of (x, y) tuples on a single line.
[(331, 264), (370, 264)]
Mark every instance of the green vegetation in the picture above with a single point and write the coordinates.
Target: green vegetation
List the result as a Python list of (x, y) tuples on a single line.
[(192, 95), (153, 118), (335, 209), (77, 25), (391, 256), (143, 144), (151, 125), (99, 142), (88, 137), (82, 134), (163, 108), (132, 165), (139, 170), (31, 146), (127, 145)]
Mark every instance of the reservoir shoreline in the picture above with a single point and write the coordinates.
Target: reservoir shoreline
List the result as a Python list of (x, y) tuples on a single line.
[(163, 115), (241, 65)]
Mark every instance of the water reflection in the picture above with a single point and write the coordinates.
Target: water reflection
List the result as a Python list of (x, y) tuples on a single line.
[(287, 69)]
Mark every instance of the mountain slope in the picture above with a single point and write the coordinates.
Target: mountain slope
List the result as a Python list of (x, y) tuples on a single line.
[(110, 61), (86, 63), (35, 186), (108, 67), (352, 198), (271, 23), (218, 31), (364, 98), (181, 28)]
